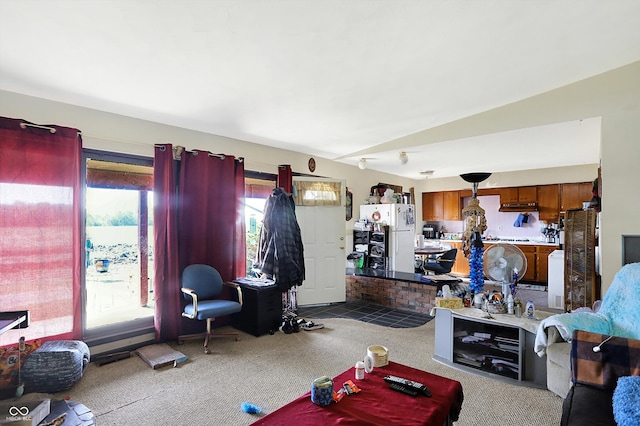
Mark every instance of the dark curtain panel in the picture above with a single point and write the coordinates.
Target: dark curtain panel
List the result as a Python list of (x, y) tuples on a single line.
[(210, 223), (240, 239), (285, 178), (40, 226), (166, 283)]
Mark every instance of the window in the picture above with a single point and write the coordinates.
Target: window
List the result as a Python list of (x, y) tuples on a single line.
[(314, 193)]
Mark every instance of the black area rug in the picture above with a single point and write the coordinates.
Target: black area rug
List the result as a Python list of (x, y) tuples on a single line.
[(373, 314)]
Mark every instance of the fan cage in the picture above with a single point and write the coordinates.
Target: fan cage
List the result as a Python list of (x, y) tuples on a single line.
[(513, 249)]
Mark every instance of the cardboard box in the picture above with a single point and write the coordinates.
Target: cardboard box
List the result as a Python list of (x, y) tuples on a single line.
[(451, 303)]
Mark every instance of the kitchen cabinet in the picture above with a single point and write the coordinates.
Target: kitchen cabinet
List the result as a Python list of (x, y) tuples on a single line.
[(549, 203), (518, 195), (542, 262), (461, 265), (572, 195), (528, 194), (508, 195), (537, 260), (432, 206), (451, 205), (441, 205), (489, 191), (530, 254)]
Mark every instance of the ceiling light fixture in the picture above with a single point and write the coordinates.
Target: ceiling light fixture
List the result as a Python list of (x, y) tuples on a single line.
[(404, 158), (427, 173), (362, 164)]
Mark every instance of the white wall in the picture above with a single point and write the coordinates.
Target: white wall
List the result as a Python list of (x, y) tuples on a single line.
[(620, 153), (117, 133), (620, 187)]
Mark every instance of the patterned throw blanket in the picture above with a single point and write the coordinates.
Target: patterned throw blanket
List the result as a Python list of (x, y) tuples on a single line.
[(617, 357), (618, 315), (615, 366)]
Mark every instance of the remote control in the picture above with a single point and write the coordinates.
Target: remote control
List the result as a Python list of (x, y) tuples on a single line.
[(419, 387), (404, 389)]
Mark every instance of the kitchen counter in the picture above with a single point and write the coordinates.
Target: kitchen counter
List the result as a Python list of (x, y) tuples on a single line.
[(435, 280), (397, 290), (519, 243)]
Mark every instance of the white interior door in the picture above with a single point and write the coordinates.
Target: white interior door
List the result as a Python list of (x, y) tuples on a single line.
[(323, 237)]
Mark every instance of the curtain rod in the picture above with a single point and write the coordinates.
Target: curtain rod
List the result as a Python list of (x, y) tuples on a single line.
[(177, 151), (221, 156), (24, 125)]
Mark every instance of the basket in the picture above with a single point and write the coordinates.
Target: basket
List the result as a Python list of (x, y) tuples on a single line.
[(379, 355), (496, 308)]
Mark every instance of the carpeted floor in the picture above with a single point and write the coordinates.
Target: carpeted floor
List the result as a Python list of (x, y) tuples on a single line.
[(269, 371)]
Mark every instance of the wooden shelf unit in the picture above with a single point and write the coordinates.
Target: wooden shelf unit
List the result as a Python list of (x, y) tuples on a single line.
[(581, 284)]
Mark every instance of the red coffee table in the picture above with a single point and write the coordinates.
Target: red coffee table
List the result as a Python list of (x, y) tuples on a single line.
[(376, 404)]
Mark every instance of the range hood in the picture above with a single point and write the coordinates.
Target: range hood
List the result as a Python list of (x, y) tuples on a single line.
[(519, 207)]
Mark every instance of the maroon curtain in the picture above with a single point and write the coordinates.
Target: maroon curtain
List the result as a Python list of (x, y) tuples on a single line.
[(208, 218), (210, 224), (166, 283), (285, 178), (40, 226)]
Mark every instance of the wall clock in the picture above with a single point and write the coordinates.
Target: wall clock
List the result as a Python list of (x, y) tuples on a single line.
[(312, 165)]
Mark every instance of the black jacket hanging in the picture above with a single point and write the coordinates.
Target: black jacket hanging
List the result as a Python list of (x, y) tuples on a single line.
[(281, 254)]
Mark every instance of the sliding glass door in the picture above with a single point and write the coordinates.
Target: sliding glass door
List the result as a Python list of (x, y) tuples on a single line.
[(118, 290)]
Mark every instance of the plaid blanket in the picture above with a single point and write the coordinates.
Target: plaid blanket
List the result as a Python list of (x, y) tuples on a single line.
[(617, 357)]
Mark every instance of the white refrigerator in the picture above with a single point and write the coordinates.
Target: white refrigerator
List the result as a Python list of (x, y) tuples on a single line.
[(401, 219)]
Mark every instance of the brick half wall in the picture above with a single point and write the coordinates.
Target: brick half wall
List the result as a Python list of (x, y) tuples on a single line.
[(407, 296)]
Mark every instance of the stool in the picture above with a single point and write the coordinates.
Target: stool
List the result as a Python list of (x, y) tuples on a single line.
[(55, 366)]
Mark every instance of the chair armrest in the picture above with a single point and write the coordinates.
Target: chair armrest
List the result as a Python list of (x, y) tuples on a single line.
[(238, 289), (553, 335), (194, 296)]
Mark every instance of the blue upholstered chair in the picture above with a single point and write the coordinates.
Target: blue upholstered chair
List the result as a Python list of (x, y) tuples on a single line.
[(202, 286), (442, 264)]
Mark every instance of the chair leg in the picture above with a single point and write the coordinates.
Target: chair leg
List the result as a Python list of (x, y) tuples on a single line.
[(207, 336), (213, 335)]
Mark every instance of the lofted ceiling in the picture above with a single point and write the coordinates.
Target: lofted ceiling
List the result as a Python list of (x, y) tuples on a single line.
[(458, 85)]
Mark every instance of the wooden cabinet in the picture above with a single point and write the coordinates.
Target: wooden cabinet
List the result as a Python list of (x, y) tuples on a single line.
[(528, 194), (572, 195), (461, 266), (489, 191), (549, 203), (582, 286), (542, 263), (508, 195), (443, 205), (432, 206), (518, 195), (530, 254), (451, 205)]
